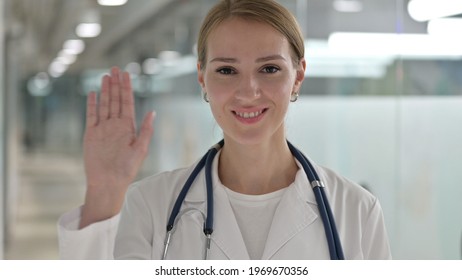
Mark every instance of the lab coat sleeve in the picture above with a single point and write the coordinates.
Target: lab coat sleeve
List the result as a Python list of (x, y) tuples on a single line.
[(374, 239), (134, 236), (93, 242)]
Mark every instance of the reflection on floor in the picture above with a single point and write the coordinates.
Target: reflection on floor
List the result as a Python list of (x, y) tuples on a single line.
[(48, 186)]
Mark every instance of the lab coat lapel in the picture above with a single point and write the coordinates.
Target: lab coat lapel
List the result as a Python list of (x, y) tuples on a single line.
[(293, 215), (227, 234)]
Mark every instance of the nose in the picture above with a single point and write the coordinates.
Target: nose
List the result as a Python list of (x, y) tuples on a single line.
[(248, 88)]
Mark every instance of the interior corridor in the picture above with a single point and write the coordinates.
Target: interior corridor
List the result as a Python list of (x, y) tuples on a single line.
[(49, 185)]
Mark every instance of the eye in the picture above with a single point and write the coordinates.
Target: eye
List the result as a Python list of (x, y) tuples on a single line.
[(226, 71), (270, 69)]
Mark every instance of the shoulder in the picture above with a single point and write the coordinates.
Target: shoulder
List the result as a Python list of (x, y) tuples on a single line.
[(159, 187), (343, 191)]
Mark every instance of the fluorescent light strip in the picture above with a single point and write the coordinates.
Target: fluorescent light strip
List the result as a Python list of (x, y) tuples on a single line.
[(112, 2), (408, 46), (348, 6), (424, 10)]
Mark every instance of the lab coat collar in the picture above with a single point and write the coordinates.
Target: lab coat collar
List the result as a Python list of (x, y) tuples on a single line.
[(303, 185), (293, 214)]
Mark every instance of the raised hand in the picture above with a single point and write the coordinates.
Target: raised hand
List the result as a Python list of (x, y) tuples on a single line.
[(113, 152)]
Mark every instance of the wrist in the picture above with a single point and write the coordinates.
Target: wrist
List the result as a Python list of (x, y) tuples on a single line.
[(100, 204)]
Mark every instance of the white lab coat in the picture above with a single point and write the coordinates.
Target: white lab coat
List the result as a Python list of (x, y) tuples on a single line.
[(297, 231)]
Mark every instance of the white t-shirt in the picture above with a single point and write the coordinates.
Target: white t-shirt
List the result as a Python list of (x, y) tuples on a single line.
[(254, 215)]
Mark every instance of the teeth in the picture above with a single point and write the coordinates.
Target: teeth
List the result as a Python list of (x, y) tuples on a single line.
[(247, 115)]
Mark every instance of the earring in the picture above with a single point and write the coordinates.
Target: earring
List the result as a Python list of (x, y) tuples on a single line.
[(205, 97), (294, 96)]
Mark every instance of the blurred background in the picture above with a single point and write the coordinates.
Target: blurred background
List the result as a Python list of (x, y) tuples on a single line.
[(381, 104)]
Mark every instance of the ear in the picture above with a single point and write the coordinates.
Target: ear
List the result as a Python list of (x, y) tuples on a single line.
[(300, 75), (200, 76)]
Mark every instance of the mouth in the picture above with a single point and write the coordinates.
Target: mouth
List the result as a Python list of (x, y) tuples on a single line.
[(250, 115)]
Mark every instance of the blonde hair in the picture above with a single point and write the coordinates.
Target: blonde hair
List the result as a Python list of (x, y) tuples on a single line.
[(266, 11)]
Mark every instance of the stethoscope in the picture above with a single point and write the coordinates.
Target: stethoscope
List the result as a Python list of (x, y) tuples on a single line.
[(333, 240)]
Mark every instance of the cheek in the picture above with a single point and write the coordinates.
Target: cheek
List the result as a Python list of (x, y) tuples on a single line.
[(218, 93), (280, 87), (218, 88)]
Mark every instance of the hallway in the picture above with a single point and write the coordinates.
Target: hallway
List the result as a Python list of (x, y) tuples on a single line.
[(48, 186)]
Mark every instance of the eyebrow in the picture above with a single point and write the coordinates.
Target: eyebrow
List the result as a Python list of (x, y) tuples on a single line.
[(270, 57), (224, 59), (261, 59)]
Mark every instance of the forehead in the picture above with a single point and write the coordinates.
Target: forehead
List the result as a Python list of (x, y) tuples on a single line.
[(241, 36)]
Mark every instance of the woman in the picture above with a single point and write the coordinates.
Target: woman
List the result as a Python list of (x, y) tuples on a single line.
[(250, 66)]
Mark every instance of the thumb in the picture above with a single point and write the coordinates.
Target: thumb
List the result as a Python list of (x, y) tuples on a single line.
[(145, 134)]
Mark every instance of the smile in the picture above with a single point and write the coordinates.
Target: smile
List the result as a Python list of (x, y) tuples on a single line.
[(248, 115)]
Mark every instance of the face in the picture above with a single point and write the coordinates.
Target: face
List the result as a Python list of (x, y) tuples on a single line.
[(249, 78)]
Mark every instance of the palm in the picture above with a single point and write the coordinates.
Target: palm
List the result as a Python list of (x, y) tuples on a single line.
[(108, 151), (113, 152)]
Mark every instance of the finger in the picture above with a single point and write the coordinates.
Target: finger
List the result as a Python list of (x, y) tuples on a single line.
[(92, 117), (145, 135), (103, 110), (114, 90), (127, 106)]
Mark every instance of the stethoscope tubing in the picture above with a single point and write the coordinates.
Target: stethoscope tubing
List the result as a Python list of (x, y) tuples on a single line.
[(208, 227), (184, 191), (333, 240), (206, 161)]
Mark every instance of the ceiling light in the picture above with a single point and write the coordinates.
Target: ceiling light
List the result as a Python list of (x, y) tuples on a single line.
[(74, 46), (133, 68), (445, 27), (169, 58), (152, 66), (88, 30), (112, 2), (348, 6), (57, 69), (66, 58), (423, 10), (39, 85), (41, 80)]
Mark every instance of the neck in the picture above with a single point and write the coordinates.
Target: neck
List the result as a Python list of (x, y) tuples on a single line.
[(257, 169)]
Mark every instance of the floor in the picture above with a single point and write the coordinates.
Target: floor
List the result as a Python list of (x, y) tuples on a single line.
[(48, 186)]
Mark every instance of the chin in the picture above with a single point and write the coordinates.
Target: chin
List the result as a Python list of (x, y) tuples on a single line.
[(249, 139), (253, 136)]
